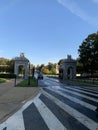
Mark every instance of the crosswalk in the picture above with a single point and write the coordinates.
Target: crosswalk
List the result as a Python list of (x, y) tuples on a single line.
[(57, 108)]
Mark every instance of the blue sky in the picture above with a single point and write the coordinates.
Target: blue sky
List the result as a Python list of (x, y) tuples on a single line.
[(45, 30)]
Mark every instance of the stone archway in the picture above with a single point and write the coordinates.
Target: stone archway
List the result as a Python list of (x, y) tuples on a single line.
[(70, 72), (69, 68), (21, 71), (21, 61)]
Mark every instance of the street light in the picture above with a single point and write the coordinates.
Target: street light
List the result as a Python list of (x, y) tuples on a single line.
[(29, 75)]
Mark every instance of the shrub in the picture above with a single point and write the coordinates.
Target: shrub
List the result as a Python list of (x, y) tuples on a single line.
[(7, 75)]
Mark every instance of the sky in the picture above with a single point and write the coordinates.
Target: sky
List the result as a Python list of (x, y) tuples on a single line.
[(45, 30)]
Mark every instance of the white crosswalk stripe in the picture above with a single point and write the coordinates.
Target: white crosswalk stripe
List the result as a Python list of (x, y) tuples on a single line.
[(52, 122), (15, 122), (74, 99), (82, 91), (94, 89), (82, 95), (50, 119), (82, 118)]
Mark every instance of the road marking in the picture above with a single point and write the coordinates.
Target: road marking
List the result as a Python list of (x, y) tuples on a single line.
[(76, 93), (87, 105), (80, 117), (52, 122), (85, 92), (82, 109), (15, 122), (33, 119)]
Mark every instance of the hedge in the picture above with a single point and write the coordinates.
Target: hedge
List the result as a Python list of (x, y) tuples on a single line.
[(7, 75)]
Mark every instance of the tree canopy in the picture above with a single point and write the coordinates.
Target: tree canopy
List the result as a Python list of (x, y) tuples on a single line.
[(88, 53), (47, 69), (6, 65)]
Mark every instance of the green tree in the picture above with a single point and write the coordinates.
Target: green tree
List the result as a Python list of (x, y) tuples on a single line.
[(60, 61), (88, 53), (50, 66), (10, 63), (45, 70), (3, 61), (39, 67), (53, 70), (6, 65), (79, 67)]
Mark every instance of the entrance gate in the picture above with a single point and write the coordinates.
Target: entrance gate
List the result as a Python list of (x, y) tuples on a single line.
[(68, 67), (21, 61)]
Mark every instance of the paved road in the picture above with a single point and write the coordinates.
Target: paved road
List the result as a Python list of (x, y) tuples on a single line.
[(57, 107)]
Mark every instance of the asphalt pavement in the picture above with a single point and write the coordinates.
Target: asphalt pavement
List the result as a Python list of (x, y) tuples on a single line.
[(57, 106), (13, 98)]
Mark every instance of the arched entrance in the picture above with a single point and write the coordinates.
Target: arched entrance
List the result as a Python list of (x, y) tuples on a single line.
[(21, 66), (21, 71), (70, 73)]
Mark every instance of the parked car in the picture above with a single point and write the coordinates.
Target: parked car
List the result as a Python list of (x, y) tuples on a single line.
[(40, 76)]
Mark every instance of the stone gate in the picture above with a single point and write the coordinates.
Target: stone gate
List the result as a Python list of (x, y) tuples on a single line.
[(21, 61), (67, 68)]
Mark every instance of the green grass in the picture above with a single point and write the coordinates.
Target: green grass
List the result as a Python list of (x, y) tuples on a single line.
[(3, 80), (24, 83)]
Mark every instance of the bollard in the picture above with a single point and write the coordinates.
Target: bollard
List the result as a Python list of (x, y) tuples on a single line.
[(15, 81), (37, 82), (28, 80)]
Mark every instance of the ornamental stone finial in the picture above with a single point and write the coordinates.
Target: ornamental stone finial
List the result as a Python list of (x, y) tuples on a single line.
[(69, 57), (22, 54)]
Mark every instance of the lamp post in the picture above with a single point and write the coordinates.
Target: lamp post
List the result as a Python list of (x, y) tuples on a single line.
[(15, 80), (29, 75)]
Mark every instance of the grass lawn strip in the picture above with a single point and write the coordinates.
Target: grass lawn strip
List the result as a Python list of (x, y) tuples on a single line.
[(3, 80), (24, 83)]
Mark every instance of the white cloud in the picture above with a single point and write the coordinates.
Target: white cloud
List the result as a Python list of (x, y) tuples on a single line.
[(96, 1), (73, 7)]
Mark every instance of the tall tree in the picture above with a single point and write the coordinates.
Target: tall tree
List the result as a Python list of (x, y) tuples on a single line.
[(79, 67), (88, 53)]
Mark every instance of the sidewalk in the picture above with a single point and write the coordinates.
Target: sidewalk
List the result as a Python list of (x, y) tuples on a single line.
[(12, 98)]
